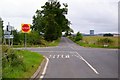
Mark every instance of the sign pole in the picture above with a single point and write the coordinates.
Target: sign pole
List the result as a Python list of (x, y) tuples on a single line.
[(9, 42), (12, 39), (25, 40), (9, 34), (25, 29)]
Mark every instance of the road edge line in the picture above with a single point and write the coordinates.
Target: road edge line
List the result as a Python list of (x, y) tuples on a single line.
[(45, 68)]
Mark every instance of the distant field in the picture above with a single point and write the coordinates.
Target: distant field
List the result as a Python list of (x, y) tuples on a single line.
[(91, 41)]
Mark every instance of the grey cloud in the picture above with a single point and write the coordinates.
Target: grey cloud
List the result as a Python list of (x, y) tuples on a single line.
[(101, 15)]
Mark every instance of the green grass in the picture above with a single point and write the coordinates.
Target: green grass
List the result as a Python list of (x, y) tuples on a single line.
[(45, 44), (54, 43), (31, 61), (19, 46), (91, 41)]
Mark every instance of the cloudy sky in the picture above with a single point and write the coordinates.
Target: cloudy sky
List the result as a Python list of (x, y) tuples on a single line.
[(100, 15)]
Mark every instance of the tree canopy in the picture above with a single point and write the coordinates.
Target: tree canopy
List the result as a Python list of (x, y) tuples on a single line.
[(51, 20)]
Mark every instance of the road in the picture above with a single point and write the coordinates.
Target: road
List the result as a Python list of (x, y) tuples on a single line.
[(68, 60)]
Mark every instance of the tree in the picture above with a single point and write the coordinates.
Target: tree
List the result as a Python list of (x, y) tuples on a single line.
[(38, 23), (16, 37), (108, 35), (51, 20), (33, 38), (78, 36), (69, 32)]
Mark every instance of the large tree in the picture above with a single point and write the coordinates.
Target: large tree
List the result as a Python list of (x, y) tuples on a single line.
[(51, 20), (69, 32)]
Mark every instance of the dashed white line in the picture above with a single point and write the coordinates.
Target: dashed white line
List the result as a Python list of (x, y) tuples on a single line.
[(53, 56), (50, 56), (77, 56), (58, 56), (67, 56), (88, 63), (61, 56)]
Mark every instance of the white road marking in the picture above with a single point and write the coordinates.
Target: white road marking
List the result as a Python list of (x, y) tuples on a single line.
[(67, 56), (72, 47), (50, 56), (58, 56), (61, 56), (77, 56), (88, 63), (45, 68), (53, 56)]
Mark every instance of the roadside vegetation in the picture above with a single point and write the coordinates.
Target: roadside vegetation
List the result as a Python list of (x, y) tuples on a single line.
[(19, 63), (33, 40), (46, 30), (47, 27), (97, 41), (51, 20)]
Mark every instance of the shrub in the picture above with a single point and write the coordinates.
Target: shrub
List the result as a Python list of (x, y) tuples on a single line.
[(4, 49), (32, 38), (15, 60), (105, 41), (10, 58), (78, 36)]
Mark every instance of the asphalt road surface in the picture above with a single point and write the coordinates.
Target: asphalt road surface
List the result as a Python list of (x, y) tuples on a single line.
[(68, 60)]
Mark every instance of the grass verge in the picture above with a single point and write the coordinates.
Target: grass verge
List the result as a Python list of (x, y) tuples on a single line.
[(31, 61), (92, 41), (95, 46), (54, 43), (44, 44)]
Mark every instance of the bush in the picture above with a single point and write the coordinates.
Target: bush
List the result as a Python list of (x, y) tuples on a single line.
[(78, 36), (10, 58), (105, 41), (33, 38), (4, 49)]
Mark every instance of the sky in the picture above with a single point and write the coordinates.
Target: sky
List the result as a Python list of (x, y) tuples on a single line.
[(85, 15)]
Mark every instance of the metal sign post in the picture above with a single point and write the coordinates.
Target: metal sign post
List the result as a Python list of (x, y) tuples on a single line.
[(9, 29), (25, 40), (25, 29)]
